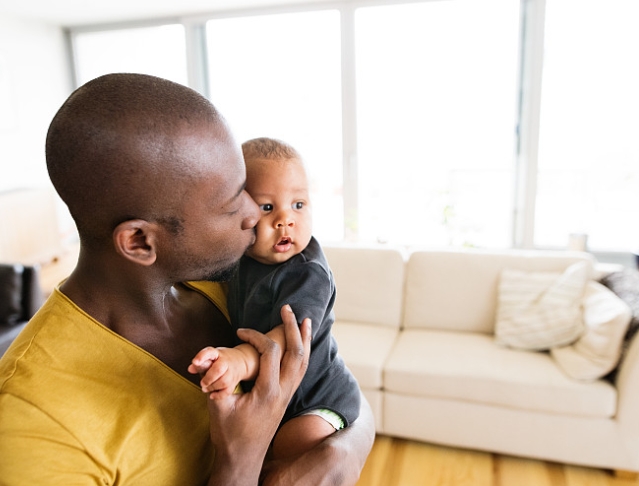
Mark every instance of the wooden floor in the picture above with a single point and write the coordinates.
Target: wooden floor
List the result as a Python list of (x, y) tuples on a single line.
[(397, 462)]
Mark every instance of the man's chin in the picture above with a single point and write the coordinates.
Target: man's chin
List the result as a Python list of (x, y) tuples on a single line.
[(224, 274)]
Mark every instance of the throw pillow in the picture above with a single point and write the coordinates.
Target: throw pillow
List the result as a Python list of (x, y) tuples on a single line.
[(10, 294), (598, 351), (625, 285), (540, 310)]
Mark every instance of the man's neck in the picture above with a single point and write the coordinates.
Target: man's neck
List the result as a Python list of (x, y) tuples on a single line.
[(170, 321), (112, 292)]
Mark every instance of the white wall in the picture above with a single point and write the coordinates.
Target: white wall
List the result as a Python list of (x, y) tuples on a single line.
[(34, 81)]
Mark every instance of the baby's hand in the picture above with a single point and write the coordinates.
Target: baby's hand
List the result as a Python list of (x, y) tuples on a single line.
[(203, 360), (222, 370)]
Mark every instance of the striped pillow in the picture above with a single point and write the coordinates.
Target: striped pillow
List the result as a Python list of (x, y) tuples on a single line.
[(540, 310)]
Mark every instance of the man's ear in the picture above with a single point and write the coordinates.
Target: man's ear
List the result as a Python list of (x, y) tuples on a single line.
[(136, 240)]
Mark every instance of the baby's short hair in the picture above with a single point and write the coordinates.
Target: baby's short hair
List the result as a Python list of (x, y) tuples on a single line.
[(269, 148)]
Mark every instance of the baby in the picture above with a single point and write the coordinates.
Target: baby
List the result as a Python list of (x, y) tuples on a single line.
[(285, 265)]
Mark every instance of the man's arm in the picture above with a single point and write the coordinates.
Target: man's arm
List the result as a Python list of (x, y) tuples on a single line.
[(338, 460), (242, 426)]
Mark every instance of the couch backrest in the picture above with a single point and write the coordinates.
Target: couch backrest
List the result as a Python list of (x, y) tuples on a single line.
[(457, 289), (369, 283)]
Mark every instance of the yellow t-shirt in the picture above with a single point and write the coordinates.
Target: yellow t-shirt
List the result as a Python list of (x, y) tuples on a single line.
[(81, 405)]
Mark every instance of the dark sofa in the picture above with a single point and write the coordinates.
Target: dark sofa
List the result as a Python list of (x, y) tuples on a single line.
[(20, 297)]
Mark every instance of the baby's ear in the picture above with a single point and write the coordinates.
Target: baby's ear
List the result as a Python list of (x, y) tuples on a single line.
[(135, 240)]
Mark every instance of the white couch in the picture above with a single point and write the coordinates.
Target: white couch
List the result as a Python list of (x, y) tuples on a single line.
[(417, 329)]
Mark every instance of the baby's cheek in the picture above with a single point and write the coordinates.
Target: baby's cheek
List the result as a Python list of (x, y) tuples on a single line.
[(263, 231)]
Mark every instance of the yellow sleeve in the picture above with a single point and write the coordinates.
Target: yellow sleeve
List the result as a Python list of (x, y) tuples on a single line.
[(34, 449)]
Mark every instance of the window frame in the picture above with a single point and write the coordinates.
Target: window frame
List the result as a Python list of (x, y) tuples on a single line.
[(526, 141)]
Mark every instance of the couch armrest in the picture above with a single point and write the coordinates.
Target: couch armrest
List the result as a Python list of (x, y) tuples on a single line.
[(627, 384)]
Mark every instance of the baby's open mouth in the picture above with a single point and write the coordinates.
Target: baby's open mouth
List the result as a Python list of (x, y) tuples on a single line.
[(284, 244)]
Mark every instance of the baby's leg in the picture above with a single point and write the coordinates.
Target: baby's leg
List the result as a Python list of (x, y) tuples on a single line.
[(301, 434)]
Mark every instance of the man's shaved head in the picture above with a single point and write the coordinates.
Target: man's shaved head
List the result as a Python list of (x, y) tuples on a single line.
[(119, 148)]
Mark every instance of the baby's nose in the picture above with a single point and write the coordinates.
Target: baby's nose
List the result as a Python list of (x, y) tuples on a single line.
[(285, 220)]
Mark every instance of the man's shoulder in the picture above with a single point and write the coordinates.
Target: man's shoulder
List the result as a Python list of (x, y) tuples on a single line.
[(52, 323)]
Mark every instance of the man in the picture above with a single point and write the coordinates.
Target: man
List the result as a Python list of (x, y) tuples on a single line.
[(96, 389)]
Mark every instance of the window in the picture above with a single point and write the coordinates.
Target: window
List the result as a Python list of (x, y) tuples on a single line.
[(158, 50), (436, 94), (588, 169), (279, 76), (413, 113)]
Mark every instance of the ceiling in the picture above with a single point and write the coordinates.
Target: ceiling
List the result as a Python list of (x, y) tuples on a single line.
[(86, 12)]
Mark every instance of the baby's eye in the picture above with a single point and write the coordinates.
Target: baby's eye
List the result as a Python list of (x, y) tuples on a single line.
[(266, 207), (298, 205)]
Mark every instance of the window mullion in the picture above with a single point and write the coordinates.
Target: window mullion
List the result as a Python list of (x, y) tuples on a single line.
[(196, 56), (349, 125), (533, 14)]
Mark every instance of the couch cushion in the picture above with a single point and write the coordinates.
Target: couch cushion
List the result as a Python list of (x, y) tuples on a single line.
[(457, 290), (597, 352), (364, 348), (540, 310), (471, 367), (369, 282)]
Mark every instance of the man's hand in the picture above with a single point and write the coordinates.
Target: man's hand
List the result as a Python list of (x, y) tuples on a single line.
[(242, 426)]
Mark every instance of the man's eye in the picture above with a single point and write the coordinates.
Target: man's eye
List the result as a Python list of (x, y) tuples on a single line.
[(298, 205), (266, 207)]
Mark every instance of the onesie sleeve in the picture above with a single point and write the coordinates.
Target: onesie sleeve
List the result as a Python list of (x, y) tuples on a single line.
[(35, 449), (310, 291)]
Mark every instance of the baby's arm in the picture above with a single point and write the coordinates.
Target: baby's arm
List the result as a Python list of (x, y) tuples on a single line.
[(223, 368)]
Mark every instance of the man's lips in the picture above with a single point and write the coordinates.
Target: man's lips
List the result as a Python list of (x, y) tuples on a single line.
[(283, 245)]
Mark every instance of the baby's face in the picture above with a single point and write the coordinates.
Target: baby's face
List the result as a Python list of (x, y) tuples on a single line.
[(280, 189)]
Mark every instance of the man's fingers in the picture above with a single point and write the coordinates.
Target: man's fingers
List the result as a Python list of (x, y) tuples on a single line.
[(298, 348), (270, 355), (261, 342), (286, 367), (307, 334), (221, 393)]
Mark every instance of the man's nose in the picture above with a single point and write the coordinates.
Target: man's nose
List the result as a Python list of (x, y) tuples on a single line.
[(253, 214)]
